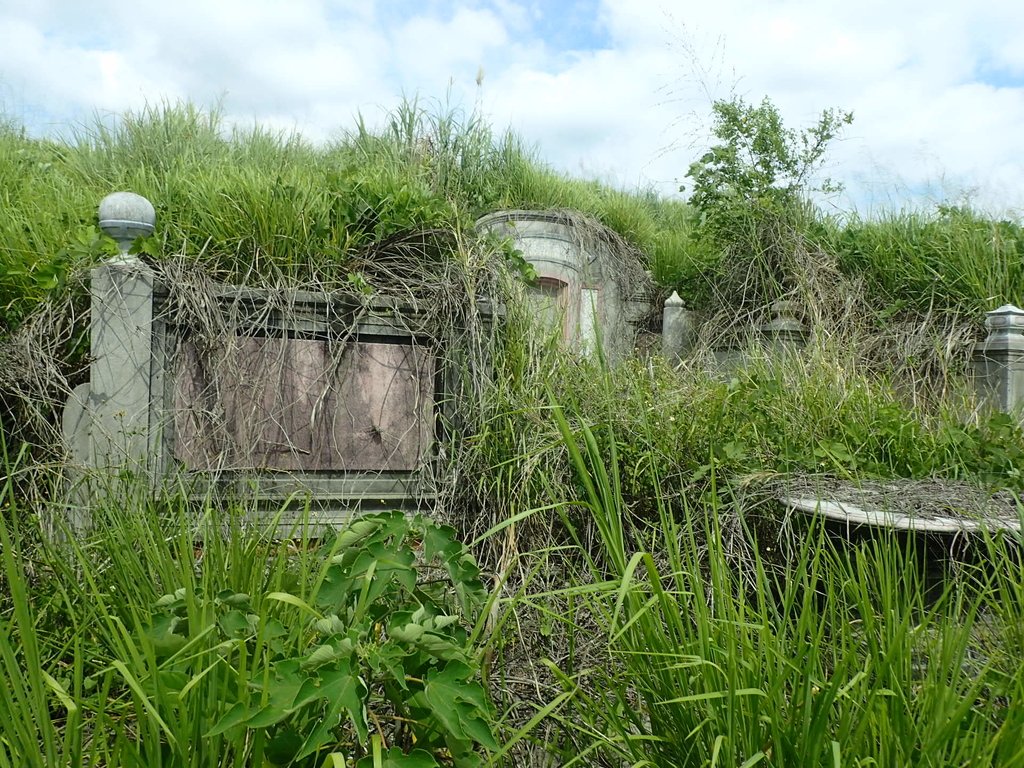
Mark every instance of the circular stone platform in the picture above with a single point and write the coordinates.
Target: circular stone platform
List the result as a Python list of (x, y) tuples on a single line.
[(927, 506)]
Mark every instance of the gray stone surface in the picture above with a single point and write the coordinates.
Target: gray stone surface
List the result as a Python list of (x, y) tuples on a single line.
[(845, 512), (999, 360), (120, 374), (580, 275), (784, 329), (76, 431), (934, 505), (678, 330), (76, 427), (125, 217)]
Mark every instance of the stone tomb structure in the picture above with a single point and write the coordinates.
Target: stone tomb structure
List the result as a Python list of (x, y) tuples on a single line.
[(295, 395), (278, 394), (315, 395), (591, 287)]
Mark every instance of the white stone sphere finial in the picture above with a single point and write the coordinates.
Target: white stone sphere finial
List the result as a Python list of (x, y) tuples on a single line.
[(125, 216)]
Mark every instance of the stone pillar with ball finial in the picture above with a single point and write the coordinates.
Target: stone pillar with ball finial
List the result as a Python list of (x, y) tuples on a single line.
[(120, 374)]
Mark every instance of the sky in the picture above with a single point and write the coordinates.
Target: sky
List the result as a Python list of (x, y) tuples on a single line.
[(617, 90)]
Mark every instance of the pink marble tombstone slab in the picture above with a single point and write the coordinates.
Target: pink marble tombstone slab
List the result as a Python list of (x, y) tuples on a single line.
[(290, 404)]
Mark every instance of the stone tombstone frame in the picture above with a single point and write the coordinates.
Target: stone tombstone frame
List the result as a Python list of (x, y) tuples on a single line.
[(601, 294), (283, 395)]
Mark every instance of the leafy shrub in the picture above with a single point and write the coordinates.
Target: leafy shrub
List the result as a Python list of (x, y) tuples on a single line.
[(751, 191), (373, 661)]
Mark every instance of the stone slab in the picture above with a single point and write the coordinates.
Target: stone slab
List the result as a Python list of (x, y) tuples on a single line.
[(845, 512)]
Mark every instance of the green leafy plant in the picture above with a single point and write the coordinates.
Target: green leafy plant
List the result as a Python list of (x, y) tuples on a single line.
[(759, 162), (751, 190), (383, 672)]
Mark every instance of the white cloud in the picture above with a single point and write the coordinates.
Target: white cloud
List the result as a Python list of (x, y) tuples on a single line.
[(937, 87), (430, 49)]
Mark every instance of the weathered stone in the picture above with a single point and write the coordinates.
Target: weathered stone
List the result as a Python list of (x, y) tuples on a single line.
[(999, 360), (76, 427), (580, 291), (785, 330), (120, 374), (125, 216), (678, 331)]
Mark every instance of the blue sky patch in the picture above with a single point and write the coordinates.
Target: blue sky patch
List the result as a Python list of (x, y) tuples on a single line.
[(571, 26)]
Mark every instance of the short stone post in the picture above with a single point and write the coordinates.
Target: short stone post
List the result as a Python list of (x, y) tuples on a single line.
[(677, 329), (999, 360), (784, 330), (122, 334)]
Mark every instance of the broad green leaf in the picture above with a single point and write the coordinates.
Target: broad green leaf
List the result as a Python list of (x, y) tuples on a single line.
[(407, 633), (168, 600), (330, 625), (440, 622), (268, 715), (345, 692), (440, 541), (441, 647), (337, 588), (234, 599), (281, 703), (463, 755), (236, 623), (388, 658), (460, 704), (320, 736), (395, 758), (165, 637), (273, 629), (325, 654), (357, 531), (238, 714), (282, 749)]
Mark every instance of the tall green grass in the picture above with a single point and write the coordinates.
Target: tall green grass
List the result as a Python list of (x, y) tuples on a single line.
[(133, 643), (257, 203), (820, 412), (80, 644), (949, 260), (833, 657)]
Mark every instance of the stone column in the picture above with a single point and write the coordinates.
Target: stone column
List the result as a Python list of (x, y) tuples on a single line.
[(678, 332), (120, 375), (589, 332), (121, 370), (76, 430), (999, 360)]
